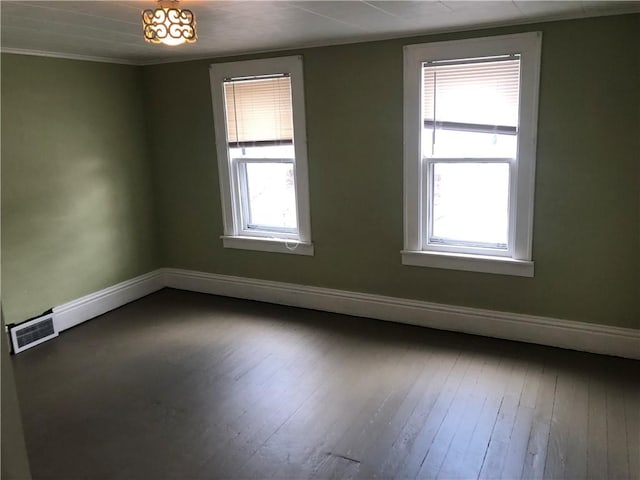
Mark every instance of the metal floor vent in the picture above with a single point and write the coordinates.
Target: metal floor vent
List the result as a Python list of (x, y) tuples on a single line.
[(32, 332)]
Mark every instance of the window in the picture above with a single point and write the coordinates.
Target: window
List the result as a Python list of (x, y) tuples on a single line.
[(470, 117), (258, 108)]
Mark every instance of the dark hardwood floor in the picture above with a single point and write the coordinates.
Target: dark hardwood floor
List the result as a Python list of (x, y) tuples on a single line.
[(182, 385)]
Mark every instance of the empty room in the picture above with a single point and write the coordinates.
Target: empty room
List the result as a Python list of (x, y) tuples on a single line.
[(320, 239)]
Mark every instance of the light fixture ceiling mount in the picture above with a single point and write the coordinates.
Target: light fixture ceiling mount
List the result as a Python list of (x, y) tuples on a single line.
[(169, 24)]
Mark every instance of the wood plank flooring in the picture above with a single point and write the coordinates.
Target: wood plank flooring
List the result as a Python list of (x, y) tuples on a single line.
[(187, 386)]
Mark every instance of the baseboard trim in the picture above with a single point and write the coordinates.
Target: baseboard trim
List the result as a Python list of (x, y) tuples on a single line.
[(587, 337), (85, 308)]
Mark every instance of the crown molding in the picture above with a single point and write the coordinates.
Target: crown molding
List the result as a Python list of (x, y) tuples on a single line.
[(67, 56)]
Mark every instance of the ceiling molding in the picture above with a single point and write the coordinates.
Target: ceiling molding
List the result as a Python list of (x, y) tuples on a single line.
[(67, 56)]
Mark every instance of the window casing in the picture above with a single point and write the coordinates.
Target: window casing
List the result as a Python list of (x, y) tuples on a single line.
[(470, 117), (259, 118)]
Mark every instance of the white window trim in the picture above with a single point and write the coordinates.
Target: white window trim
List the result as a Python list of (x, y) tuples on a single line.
[(263, 244), (234, 237), (523, 170)]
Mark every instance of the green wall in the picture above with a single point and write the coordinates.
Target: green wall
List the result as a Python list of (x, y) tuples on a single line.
[(110, 171), (77, 204), (587, 212)]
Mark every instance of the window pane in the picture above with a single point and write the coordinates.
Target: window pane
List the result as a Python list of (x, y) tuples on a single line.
[(461, 144), (275, 151), (271, 196), (470, 204)]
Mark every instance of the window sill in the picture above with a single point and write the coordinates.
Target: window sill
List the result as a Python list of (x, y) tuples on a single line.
[(268, 245), (469, 263)]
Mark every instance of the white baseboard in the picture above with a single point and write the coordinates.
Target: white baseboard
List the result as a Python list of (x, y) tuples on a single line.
[(85, 308), (587, 337)]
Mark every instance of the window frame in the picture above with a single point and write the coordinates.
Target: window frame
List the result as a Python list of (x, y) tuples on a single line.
[(517, 259), (231, 193)]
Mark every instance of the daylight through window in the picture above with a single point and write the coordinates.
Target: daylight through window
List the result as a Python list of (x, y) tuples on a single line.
[(470, 111), (262, 154), (470, 125)]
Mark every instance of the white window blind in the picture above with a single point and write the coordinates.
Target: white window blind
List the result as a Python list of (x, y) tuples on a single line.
[(259, 111), (482, 92)]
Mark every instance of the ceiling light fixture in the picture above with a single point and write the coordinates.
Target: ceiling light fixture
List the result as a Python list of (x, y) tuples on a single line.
[(169, 24)]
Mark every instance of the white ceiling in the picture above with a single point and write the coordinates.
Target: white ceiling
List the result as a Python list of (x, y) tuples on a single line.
[(111, 30)]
